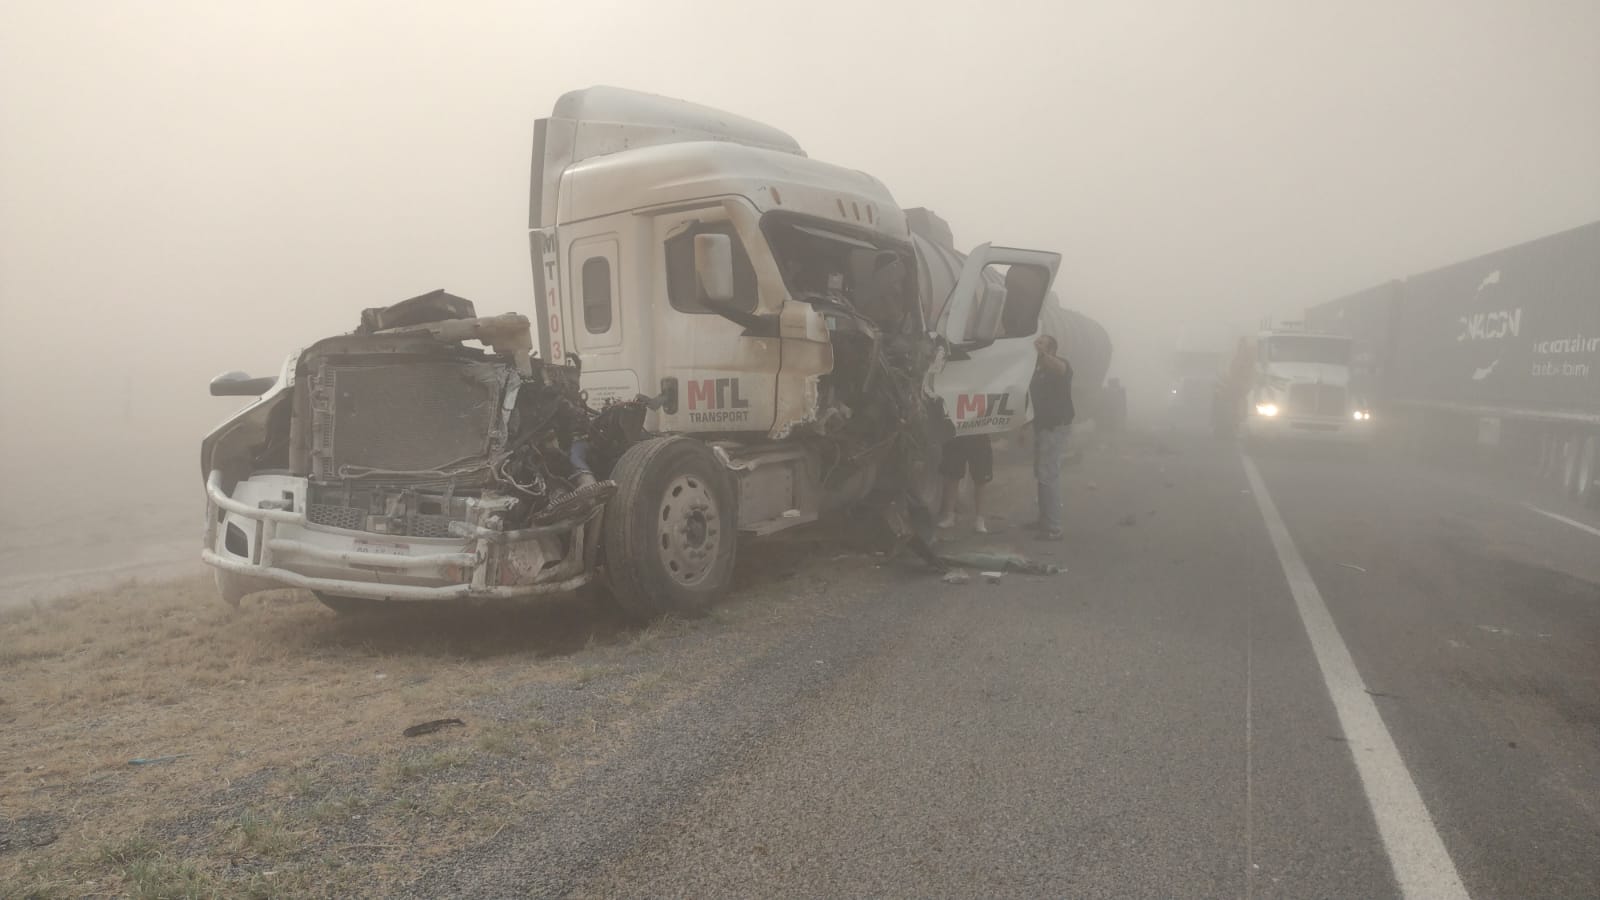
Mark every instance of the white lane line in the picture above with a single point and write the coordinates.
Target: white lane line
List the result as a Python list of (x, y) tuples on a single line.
[(1249, 757), (1422, 866), (1560, 518)]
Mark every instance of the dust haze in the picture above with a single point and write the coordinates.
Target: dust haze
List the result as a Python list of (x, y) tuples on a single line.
[(190, 188)]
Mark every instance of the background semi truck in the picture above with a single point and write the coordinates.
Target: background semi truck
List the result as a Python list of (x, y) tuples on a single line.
[(732, 339), (1291, 383), (1498, 355)]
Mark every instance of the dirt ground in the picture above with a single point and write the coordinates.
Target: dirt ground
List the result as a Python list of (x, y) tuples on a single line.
[(156, 743)]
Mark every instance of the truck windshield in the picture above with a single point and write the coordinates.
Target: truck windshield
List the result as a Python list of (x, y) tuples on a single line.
[(1328, 351), (822, 265)]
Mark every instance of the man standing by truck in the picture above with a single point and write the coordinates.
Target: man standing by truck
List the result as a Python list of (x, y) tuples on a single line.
[(1051, 394), (965, 454)]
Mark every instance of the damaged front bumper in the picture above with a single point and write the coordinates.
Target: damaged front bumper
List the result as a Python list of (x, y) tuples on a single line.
[(259, 538)]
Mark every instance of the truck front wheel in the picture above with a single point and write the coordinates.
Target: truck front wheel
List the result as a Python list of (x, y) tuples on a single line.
[(671, 529)]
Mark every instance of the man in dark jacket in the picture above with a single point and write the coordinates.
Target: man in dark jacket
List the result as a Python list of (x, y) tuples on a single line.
[(1051, 395)]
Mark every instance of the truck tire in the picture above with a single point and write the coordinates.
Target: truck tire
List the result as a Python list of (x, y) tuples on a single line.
[(671, 529)]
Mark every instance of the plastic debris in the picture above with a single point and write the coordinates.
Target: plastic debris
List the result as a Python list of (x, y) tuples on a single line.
[(956, 576), (431, 727), (992, 577)]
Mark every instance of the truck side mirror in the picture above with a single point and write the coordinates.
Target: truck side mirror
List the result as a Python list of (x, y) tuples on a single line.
[(238, 384), (713, 266)]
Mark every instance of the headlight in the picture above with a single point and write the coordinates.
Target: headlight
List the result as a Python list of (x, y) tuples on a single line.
[(1267, 409), (1361, 415)]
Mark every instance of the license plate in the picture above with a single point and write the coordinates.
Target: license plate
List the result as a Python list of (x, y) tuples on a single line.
[(382, 548)]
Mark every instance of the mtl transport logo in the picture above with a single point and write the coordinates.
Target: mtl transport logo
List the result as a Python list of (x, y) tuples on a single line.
[(975, 411), (716, 401)]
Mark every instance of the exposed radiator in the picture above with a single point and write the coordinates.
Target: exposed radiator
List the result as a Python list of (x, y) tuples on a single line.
[(411, 416)]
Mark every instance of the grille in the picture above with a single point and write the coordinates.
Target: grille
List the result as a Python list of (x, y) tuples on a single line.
[(428, 526), (337, 516), (1316, 400), (356, 520), (406, 417)]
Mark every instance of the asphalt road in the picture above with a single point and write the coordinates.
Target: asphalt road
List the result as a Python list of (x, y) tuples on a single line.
[(1161, 721)]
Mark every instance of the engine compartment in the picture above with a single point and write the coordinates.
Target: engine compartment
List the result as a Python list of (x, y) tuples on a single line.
[(400, 429)]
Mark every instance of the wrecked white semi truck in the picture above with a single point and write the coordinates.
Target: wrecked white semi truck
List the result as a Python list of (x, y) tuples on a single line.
[(733, 339)]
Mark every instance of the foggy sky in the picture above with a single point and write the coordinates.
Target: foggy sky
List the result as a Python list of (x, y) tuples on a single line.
[(192, 187)]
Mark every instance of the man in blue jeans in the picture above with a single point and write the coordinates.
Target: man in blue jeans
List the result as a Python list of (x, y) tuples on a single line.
[(1051, 393)]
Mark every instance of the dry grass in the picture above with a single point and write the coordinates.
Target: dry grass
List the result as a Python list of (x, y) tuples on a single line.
[(286, 720), (154, 670)]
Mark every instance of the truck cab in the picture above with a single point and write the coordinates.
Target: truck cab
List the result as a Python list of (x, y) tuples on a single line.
[(761, 298), (815, 266), (1301, 388)]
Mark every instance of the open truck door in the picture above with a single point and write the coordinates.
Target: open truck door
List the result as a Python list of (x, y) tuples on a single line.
[(990, 320)]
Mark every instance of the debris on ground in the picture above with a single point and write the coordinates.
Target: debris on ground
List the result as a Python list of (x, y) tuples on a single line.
[(1354, 566), (956, 576), (431, 727), (992, 577), (999, 562)]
